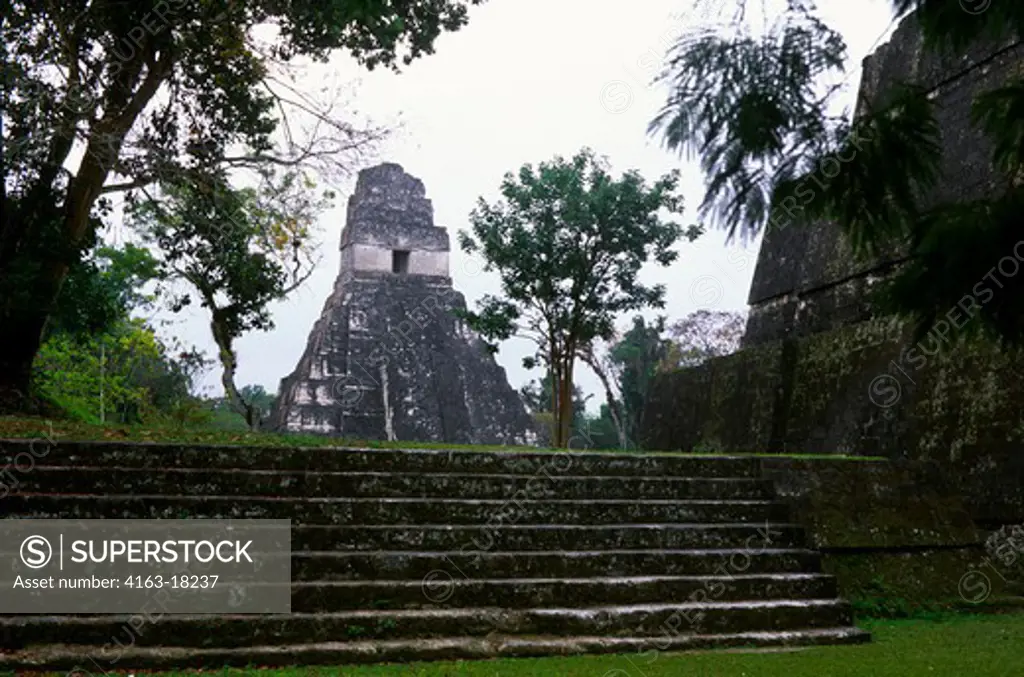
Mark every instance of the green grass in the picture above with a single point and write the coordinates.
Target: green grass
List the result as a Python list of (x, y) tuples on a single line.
[(36, 428), (978, 646)]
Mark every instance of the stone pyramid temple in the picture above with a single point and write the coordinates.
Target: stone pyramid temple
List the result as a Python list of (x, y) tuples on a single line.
[(388, 359)]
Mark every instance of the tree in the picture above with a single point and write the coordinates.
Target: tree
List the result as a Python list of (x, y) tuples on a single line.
[(107, 96), (238, 249), (568, 241), (170, 379), (103, 290), (702, 335), (754, 109), (625, 370), (601, 431), (103, 377), (260, 399), (538, 398), (612, 409), (636, 357), (100, 364)]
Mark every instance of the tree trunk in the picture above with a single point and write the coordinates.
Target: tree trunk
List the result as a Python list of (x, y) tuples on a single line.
[(565, 402), (30, 282), (39, 258), (20, 338), (614, 405), (556, 399), (222, 337)]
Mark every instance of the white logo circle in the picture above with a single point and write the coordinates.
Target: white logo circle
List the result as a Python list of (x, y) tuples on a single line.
[(616, 97), (707, 291), (39, 552)]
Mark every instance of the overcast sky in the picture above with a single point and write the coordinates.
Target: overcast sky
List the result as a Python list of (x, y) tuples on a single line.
[(524, 81)]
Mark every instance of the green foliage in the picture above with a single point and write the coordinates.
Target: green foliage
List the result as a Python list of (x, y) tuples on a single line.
[(636, 357), (954, 277), (238, 249), (538, 398), (598, 432), (103, 290), (131, 94), (232, 244), (742, 103), (887, 161), (375, 33), (223, 415), (258, 396), (1000, 113), (756, 115), (568, 241), (91, 377), (958, 272), (191, 412)]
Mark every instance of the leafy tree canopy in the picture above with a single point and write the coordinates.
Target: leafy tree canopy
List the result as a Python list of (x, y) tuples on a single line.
[(103, 290), (568, 241), (237, 250), (702, 335)]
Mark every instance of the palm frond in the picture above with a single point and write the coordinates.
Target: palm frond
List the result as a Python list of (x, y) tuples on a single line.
[(1000, 114), (743, 104)]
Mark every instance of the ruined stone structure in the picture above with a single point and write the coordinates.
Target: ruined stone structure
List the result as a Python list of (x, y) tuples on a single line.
[(820, 372), (405, 555), (388, 358)]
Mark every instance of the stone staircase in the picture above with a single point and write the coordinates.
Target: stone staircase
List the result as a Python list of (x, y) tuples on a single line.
[(423, 554)]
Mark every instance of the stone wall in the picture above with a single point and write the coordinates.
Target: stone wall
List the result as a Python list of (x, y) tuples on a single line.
[(893, 533), (370, 258), (852, 391), (807, 279)]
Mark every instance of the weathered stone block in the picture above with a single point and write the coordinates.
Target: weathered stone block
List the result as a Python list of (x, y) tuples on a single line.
[(855, 504)]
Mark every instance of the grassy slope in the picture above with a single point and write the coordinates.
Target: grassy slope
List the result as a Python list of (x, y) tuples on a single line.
[(20, 428), (974, 646)]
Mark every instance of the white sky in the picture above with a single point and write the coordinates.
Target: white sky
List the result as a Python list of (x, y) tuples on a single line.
[(524, 81)]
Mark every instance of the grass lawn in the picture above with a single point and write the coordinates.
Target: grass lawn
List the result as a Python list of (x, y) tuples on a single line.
[(956, 646), (38, 428)]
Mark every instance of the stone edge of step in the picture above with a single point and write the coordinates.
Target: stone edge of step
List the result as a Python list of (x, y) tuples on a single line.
[(453, 648)]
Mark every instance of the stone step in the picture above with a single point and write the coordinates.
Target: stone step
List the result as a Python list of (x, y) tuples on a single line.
[(518, 593), (232, 631), (109, 657), (530, 537), (24, 454), (447, 589), (450, 590), (381, 485), (454, 511), (335, 566), (443, 537)]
